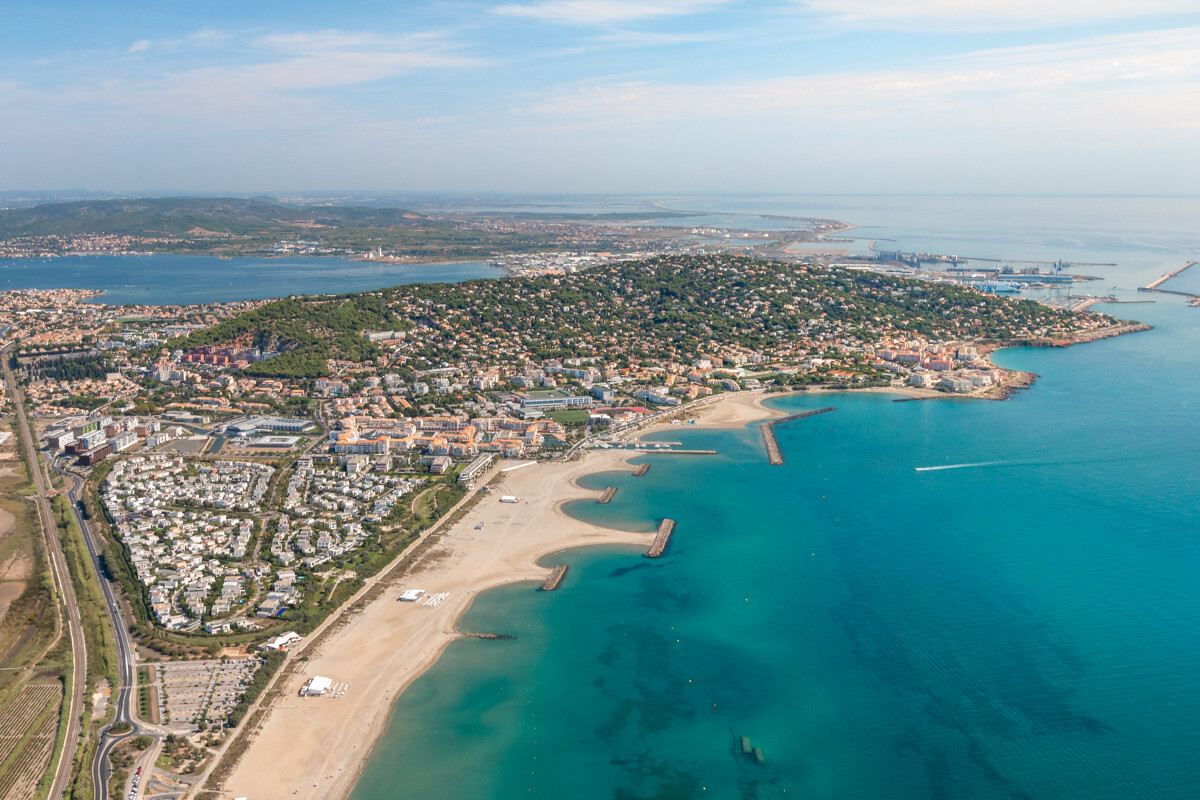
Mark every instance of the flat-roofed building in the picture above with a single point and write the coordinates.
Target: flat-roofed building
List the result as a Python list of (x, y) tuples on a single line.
[(476, 468), (316, 686), (552, 400)]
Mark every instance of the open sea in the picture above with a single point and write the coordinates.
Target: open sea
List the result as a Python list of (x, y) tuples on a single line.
[(933, 599)]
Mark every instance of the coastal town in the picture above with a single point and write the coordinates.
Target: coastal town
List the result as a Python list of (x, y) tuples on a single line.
[(599, 400), (251, 466), (320, 227), (246, 455), (191, 444)]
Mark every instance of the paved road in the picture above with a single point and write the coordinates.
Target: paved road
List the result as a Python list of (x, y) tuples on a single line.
[(125, 702), (62, 578)]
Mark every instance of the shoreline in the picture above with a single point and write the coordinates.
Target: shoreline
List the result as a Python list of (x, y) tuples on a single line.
[(317, 747)]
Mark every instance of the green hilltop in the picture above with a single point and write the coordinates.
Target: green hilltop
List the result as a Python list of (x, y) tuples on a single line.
[(665, 309)]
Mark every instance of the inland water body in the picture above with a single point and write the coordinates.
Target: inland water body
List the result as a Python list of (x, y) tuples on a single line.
[(932, 599), (181, 280)]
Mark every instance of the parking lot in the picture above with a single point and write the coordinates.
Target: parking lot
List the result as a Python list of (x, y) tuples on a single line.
[(195, 691)]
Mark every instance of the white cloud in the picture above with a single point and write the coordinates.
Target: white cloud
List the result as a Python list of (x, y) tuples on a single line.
[(604, 12), (313, 42), (989, 14), (201, 38), (311, 72), (647, 39), (270, 82), (1156, 73)]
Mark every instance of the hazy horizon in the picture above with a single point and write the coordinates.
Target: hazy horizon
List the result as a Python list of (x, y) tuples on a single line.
[(76, 194), (1004, 97)]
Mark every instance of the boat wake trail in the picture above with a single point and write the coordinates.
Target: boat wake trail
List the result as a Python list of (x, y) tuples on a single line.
[(961, 466)]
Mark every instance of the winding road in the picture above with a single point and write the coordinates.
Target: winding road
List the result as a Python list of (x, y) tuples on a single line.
[(124, 703)]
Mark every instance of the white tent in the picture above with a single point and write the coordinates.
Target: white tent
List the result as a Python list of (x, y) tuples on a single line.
[(317, 686)]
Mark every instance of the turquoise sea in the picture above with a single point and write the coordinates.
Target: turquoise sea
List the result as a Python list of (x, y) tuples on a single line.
[(178, 280), (1022, 621)]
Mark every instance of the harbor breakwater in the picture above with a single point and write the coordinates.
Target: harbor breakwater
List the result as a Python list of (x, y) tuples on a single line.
[(554, 578), (665, 529), (767, 429)]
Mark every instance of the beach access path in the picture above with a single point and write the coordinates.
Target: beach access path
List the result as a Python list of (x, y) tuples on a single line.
[(314, 747)]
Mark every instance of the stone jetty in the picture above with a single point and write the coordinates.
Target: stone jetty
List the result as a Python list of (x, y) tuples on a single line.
[(665, 529), (767, 429), (554, 578)]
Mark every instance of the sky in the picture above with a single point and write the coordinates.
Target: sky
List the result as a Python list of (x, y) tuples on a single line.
[(602, 96)]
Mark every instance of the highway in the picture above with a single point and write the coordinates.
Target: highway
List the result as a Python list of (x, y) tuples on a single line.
[(124, 704), (62, 580)]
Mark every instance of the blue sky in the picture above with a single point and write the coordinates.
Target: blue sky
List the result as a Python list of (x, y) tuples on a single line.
[(858, 96)]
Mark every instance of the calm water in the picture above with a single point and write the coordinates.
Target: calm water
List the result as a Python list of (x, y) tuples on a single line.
[(171, 280), (1021, 624)]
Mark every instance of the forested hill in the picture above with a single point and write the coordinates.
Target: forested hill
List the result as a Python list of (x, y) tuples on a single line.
[(180, 216), (669, 309), (239, 227)]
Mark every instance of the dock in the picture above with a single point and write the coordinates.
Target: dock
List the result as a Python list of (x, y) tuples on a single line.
[(651, 449), (554, 578), (1193, 299), (642, 470), (1150, 287), (1079, 303), (608, 495), (665, 529), (767, 429)]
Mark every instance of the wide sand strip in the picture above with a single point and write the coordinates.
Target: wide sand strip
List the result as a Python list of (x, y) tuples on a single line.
[(724, 411), (314, 747)]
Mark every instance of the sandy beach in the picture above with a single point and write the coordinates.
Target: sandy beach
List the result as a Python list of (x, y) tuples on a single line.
[(315, 747), (725, 411), (730, 411)]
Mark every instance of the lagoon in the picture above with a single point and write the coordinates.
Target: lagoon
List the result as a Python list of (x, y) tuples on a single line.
[(180, 280)]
